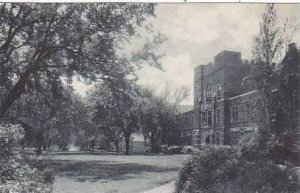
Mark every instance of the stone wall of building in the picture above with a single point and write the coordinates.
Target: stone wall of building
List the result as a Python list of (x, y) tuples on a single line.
[(215, 83), (227, 103), (243, 115)]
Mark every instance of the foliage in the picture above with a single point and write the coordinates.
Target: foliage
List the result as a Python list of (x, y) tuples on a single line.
[(82, 125), (148, 53), (269, 42), (118, 110), (43, 44), (47, 119), (9, 135), (40, 43), (158, 114), (267, 47), (114, 111), (226, 170), (16, 175), (278, 86), (276, 148), (288, 91)]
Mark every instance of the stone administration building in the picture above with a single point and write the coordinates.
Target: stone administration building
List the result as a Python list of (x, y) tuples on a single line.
[(224, 101)]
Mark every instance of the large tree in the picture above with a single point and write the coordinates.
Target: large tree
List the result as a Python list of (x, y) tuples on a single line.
[(115, 110), (157, 115), (43, 42), (47, 120), (286, 107), (267, 48), (271, 60), (288, 93), (275, 77)]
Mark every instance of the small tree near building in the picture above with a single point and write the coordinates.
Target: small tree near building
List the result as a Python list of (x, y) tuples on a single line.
[(274, 81)]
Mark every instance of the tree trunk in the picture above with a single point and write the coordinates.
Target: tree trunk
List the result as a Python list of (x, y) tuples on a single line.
[(39, 149), (155, 142), (16, 91), (92, 146), (155, 146), (23, 144), (117, 146), (127, 143), (44, 147), (145, 140), (40, 142), (49, 143)]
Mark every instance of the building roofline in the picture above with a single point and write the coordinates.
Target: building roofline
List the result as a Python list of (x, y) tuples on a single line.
[(244, 94), (186, 112)]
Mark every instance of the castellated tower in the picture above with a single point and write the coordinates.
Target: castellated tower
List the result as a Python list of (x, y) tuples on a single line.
[(214, 84)]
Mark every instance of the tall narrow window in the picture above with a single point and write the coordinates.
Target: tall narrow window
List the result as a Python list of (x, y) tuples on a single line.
[(242, 112), (298, 117), (274, 99), (254, 115), (218, 116), (204, 118), (217, 138), (259, 103), (234, 114), (234, 138), (208, 92), (218, 92), (247, 111), (255, 110), (209, 117)]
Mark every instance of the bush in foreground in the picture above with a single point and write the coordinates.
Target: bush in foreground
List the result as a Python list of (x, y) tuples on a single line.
[(16, 174), (224, 170)]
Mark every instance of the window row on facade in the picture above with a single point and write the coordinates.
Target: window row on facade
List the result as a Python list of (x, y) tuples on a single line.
[(209, 92), (213, 138), (245, 111), (206, 117)]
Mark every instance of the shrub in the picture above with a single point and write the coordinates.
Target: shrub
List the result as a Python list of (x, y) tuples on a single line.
[(16, 174), (224, 170), (280, 149)]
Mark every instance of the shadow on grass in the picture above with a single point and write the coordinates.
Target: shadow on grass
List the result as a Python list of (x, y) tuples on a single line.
[(102, 170)]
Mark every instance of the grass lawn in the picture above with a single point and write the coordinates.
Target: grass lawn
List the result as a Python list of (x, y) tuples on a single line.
[(113, 173)]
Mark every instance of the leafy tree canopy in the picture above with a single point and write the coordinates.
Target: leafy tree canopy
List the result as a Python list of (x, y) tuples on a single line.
[(40, 43)]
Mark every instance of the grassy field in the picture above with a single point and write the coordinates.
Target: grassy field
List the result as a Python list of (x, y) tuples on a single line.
[(113, 173)]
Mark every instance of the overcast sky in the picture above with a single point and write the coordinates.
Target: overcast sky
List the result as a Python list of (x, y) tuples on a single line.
[(197, 32)]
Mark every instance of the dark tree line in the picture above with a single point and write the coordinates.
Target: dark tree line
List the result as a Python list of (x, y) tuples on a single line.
[(119, 112)]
